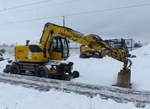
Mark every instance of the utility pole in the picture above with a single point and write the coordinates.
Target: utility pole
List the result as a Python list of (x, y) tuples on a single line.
[(63, 21)]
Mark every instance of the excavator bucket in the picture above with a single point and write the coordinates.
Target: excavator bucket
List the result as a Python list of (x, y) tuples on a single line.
[(124, 78)]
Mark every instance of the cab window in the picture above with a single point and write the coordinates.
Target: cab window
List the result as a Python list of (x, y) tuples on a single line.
[(65, 48), (57, 45), (61, 45)]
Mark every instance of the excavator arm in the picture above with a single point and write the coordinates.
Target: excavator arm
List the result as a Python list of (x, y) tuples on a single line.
[(92, 41)]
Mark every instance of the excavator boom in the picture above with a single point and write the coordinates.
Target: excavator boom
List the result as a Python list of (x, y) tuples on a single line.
[(94, 42)]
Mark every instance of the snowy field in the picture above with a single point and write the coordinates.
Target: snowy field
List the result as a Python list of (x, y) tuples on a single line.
[(93, 71), (15, 97), (23, 20), (104, 71)]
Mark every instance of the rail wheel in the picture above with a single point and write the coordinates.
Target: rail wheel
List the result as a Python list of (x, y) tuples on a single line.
[(67, 77), (15, 69), (75, 74), (42, 71)]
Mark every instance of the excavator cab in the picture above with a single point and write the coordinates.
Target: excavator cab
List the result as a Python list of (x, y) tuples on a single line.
[(59, 49)]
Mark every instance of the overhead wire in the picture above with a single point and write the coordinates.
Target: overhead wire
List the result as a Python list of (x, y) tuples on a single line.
[(30, 20), (32, 4), (27, 9), (79, 13), (24, 5), (109, 9)]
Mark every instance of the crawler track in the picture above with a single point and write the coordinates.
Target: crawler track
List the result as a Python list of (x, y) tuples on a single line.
[(140, 98)]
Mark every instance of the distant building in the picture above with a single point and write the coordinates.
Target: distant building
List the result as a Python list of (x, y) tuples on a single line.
[(117, 42), (130, 43)]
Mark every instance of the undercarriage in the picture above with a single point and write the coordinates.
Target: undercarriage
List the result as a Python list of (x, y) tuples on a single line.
[(53, 69)]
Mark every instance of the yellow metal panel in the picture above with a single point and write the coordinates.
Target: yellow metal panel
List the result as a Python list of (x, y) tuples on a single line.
[(56, 56), (23, 54)]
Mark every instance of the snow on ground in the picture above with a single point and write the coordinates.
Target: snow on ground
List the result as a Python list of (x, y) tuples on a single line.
[(16, 97), (96, 71), (141, 68), (104, 71), (93, 71)]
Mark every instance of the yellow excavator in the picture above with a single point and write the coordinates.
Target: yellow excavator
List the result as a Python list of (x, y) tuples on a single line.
[(46, 58), (87, 52)]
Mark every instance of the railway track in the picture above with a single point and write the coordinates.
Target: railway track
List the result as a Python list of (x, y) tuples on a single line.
[(122, 95)]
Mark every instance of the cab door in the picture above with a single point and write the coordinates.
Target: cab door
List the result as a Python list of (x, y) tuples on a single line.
[(59, 49), (65, 46)]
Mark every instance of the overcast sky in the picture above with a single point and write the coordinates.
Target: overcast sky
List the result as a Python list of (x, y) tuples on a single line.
[(124, 22)]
